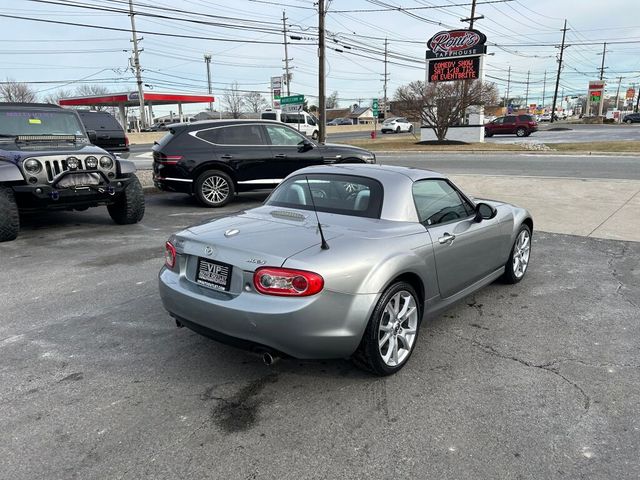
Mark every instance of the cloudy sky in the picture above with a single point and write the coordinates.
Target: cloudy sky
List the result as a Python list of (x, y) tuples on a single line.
[(245, 40)]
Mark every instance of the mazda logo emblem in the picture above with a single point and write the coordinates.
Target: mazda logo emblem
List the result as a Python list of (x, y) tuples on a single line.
[(209, 251)]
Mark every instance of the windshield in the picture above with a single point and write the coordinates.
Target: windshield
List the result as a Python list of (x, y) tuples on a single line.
[(39, 122), (342, 194)]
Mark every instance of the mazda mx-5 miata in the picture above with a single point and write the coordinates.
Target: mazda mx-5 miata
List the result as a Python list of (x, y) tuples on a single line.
[(342, 261)]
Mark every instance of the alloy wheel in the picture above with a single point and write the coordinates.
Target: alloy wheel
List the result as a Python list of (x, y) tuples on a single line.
[(215, 189), (398, 328), (521, 252)]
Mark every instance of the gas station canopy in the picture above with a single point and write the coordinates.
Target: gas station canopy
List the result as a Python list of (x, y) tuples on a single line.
[(132, 99)]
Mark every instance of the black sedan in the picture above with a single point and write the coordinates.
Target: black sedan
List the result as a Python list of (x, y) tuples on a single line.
[(214, 159), (631, 118)]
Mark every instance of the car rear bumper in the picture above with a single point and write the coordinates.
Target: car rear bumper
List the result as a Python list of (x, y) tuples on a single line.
[(327, 325)]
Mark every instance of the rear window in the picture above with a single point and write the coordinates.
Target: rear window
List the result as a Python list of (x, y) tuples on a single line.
[(269, 116), (525, 118), (99, 121), (342, 194)]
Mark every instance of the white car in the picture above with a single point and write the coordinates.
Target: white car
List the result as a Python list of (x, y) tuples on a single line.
[(397, 125)]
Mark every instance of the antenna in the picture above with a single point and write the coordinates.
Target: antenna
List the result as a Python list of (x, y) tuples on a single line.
[(324, 245)]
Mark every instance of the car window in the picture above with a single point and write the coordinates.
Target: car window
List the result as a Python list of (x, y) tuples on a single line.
[(284, 136), (525, 118), (99, 121), (510, 119), (14, 121), (402, 120), (498, 121), (269, 116), (438, 202), (311, 121), (332, 193), (234, 135)]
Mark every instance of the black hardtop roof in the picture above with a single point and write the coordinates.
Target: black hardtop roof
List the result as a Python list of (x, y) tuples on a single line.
[(29, 105), (223, 123)]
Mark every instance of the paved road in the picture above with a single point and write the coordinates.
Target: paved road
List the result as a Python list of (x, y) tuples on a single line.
[(520, 164), (538, 380)]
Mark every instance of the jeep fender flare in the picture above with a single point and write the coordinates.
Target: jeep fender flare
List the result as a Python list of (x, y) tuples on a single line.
[(126, 166), (10, 172)]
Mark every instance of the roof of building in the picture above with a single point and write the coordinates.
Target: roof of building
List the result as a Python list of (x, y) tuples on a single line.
[(132, 99)]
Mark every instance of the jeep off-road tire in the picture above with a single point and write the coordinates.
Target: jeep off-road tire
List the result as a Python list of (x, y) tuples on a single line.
[(129, 207), (9, 217)]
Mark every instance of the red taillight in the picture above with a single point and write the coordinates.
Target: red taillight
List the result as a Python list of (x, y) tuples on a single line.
[(168, 159), (169, 255), (126, 141), (287, 282)]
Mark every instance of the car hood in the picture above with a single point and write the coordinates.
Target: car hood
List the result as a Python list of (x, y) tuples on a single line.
[(345, 149), (48, 148), (269, 235)]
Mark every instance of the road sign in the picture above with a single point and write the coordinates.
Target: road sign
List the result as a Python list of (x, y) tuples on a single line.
[(292, 107), (375, 107), (293, 99)]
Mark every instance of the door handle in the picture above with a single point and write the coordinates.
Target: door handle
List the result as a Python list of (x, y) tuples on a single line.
[(447, 238), (280, 155), (226, 156)]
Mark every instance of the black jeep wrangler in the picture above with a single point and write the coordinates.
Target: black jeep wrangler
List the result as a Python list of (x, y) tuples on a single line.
[(47, 162)]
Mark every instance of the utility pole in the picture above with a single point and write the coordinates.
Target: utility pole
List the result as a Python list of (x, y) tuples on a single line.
[(618, 92), (506, 96), (322, 101), (555, 92), (286, 53), (526, 96), (136, 66), (544, 87), (207, 61), (386, 78), (637, 102), (604, 53), (473, 15)]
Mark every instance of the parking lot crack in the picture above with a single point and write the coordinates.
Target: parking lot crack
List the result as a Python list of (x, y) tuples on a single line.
[(550, 367), (621, 287)]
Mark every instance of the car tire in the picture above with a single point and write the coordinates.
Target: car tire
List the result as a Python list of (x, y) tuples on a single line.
[(9, 216), (129, 207), (401, 331), (519, 258), (214, 189), (488, 134), (410, 129), (629, 122), (397, 129), (521, 132), (315, 135)]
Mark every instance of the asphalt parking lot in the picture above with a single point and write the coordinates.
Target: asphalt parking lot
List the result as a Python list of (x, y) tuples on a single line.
[(538, 380)]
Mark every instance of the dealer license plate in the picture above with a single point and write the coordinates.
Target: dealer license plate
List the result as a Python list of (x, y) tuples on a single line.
[(214, 275)]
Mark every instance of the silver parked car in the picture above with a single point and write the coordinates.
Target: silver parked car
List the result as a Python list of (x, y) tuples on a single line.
[(342, 261)]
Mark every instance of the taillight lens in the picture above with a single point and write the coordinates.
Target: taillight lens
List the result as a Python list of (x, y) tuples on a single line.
[(168, 159), (169, 255), (287, 282), (126, 141)]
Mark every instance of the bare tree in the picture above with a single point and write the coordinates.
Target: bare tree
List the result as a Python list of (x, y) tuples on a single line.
[(54, 97), (12, 91), (440, 105), (88, 90), (233, 100), (332, 100), (254, 101)]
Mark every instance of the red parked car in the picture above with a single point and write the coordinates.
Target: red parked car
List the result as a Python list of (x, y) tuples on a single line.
[(520, 125)]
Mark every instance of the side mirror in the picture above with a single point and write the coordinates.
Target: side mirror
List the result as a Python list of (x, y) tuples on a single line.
[(93, 136), (484, 211), (305, 146)]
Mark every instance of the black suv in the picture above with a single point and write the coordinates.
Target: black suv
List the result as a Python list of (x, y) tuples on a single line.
[(104, 130), (214, 159), (47, 162)]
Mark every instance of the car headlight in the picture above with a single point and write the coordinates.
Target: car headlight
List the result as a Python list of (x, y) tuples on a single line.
[(72, 163), (106, 162), (91, 162), (33, 166)]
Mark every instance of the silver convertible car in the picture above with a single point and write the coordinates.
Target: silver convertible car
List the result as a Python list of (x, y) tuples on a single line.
[(342, 261)]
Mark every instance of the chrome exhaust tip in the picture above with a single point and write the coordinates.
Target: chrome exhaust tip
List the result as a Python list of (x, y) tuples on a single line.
[(268, 359)]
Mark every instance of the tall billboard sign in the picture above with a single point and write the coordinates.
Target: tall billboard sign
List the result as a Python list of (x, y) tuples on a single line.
[(276, 91)]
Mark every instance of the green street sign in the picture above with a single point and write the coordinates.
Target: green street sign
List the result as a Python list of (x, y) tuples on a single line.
[(375, 107), (293, 99)]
